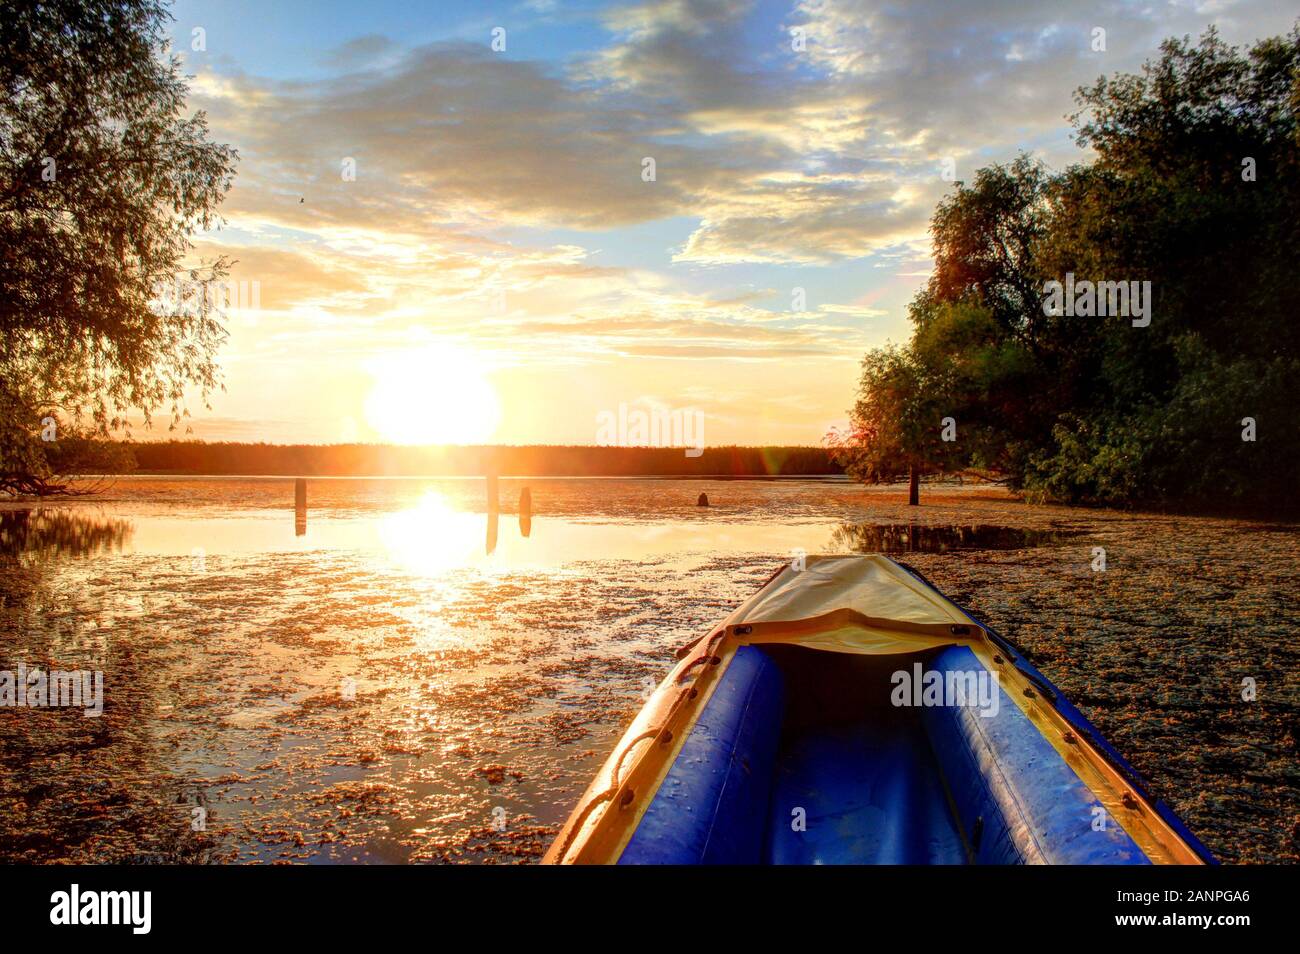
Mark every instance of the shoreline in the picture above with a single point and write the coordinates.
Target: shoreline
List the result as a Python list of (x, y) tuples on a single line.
[(939, 488)]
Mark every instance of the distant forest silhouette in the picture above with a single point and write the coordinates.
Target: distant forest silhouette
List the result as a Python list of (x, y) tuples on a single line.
[(307, 460)]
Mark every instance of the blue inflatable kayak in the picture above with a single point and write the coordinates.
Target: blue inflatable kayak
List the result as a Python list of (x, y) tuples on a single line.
[(849, 713)]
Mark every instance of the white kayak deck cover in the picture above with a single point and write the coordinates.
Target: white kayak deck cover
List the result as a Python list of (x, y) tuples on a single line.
[(855, 603)]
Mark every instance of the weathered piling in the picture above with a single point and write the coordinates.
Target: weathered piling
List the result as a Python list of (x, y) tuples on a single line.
[(491, 485), (299, 506)]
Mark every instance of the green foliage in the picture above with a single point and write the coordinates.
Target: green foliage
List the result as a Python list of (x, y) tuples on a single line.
[(103, 178), (985, 376), (1092, 409), (1092, 460), (1188, 447)]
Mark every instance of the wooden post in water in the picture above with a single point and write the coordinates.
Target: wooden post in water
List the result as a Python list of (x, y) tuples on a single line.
[(525, 512), (493, 511), (913, 487), (299, 506)]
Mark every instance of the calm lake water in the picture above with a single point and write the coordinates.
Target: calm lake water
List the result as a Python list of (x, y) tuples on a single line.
[(397, 676)]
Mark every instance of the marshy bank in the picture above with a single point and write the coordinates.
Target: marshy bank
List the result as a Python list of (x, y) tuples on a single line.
[(381, 688)]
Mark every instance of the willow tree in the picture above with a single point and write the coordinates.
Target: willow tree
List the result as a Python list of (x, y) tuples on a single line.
[(104, 178)]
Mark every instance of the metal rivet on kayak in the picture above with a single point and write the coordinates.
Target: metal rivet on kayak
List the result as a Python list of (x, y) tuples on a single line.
[(1029, 692), (997, 659), (1130, 801), (693, 693), (714, 660), (744, 630), (1070, 737), (959, 630), (665, 736), (703, 501), (626, 800)]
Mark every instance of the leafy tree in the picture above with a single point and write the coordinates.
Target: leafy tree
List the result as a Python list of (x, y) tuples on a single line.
[(103, 179), (985, 239), (990, 377), (896, 424), (1195, 188), (972, 353)]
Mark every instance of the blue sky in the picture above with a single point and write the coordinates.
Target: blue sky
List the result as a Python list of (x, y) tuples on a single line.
[(292, 39), (499, 227)]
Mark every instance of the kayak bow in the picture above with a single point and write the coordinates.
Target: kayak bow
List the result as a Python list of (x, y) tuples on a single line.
[(849, 713)]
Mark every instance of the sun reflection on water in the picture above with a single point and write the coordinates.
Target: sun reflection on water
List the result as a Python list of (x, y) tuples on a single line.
[(433, 536)]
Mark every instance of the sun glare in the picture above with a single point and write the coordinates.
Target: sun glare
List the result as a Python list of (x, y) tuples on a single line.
[(438, 394), (433, 536)]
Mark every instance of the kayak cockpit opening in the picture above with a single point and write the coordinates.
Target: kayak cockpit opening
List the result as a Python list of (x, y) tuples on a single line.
[(811, 757)]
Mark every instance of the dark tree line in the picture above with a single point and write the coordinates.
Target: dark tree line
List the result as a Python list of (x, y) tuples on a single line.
[(1194, 187), (197, 457)]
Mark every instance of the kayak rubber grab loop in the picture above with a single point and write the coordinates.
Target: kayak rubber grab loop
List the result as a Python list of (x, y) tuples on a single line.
[(707, 659), (684, 651)]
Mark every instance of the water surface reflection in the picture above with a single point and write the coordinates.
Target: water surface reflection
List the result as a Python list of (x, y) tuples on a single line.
[(42, 532)]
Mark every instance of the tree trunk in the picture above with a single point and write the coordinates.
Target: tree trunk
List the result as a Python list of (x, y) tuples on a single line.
[(913, 487)]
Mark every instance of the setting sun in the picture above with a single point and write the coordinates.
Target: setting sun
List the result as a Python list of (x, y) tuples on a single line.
[(438, 394)]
